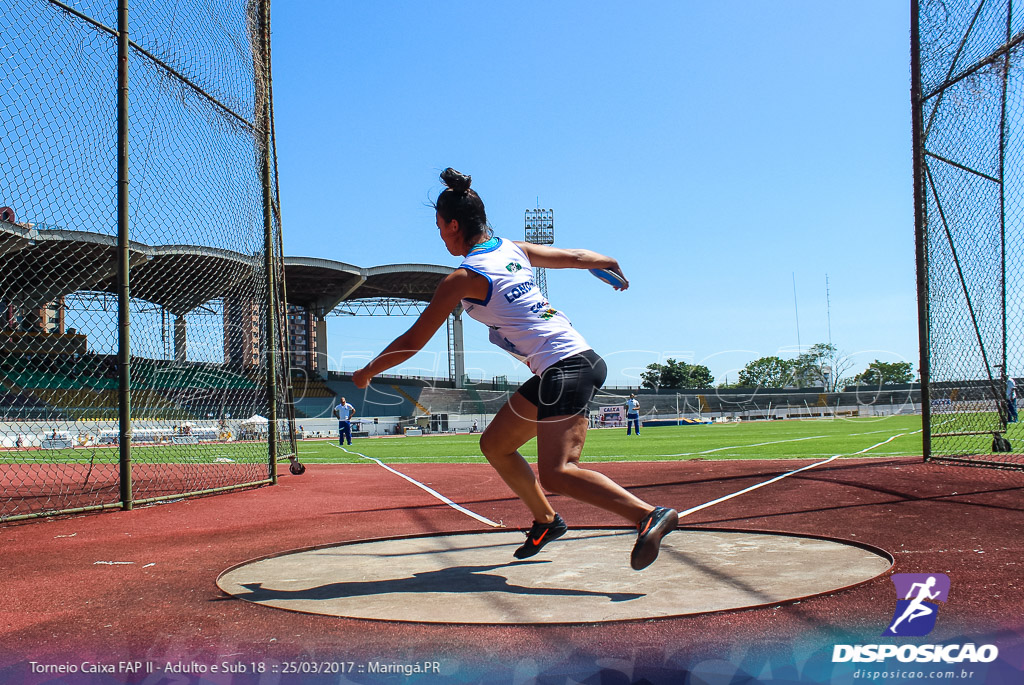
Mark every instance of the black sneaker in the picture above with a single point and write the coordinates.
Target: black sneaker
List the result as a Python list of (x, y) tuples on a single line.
[(541, 534), (651, 529)]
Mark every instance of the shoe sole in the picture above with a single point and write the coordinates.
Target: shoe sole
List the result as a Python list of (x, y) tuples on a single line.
[(644, 554)]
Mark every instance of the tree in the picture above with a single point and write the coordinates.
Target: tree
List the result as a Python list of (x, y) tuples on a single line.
[(676, 375), (821, 365), (885, 373), (700, 377), (767, 372)]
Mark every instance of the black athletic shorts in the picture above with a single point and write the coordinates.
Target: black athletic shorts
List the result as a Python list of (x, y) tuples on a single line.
[(566, 387)]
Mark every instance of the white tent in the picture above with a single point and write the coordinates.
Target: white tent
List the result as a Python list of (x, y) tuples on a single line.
[(255, 420)]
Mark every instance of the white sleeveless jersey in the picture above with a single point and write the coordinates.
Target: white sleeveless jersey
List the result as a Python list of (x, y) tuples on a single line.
[(521, 320)]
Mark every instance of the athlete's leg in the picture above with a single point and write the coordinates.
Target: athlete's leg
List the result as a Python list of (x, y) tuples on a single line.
[(560, 442), (514, 424)]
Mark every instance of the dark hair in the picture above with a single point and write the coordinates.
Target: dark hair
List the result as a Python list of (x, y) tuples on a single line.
[(459, 201)]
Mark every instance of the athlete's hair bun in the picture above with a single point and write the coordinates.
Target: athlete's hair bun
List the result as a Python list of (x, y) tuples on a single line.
[(455, 180), (458, 202)]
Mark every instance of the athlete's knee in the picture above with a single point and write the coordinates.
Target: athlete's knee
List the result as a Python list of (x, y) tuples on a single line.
[(557, 479), (488, 444), (494, 447), (552, 482)]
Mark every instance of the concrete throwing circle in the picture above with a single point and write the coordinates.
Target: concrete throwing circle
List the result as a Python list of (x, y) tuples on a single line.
[(584, 577)]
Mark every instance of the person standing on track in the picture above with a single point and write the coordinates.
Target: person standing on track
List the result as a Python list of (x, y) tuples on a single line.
[(495, 286), (345, 413)]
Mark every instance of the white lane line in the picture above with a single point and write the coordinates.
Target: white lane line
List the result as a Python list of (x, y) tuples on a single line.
[(736, 447), (786, 475), (433, 492), (869, 433)]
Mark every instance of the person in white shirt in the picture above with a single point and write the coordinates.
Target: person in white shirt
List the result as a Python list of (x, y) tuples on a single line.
[(1011, 400), (632, 414), (495, 286), (345, 413)]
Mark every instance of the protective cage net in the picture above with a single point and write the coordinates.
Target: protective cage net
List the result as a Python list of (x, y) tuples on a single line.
[(198, 117), (969, 97)]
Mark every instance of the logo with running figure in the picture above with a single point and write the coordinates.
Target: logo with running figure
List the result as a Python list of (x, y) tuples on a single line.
[(916, 608)]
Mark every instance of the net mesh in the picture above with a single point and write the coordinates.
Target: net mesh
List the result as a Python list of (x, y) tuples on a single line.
[(199, 121), (971, 189)]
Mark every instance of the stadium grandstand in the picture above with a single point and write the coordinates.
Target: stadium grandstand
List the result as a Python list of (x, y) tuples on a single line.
[(50, 373)]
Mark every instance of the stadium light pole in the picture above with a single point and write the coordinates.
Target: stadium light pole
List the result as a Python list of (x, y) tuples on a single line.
[(540, 230)]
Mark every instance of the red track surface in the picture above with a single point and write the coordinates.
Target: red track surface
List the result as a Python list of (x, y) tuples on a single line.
[(61, 606)]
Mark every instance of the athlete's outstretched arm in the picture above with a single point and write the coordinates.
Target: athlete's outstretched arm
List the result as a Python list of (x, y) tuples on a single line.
[(457, 285), (559, 258)]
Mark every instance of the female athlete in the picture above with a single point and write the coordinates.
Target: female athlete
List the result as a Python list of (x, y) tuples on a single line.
[(495, 286)]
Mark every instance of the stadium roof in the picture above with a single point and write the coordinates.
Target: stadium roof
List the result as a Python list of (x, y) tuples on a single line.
[(323, 284), (38, 265)]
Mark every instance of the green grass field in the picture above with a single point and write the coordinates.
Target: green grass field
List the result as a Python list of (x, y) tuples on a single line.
[(204, 453), (809, 439), (793, 439)]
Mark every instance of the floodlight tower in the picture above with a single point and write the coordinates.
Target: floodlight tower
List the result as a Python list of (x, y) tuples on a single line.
[(540, 230)]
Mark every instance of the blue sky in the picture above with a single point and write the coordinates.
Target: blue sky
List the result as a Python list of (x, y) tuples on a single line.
[(719, 151)]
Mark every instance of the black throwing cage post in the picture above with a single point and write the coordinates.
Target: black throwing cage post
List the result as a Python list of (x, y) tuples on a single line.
[(142, 349), (968, 127)]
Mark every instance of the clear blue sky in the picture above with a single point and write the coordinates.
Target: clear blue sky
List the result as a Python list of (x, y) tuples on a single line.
[(717, 150)]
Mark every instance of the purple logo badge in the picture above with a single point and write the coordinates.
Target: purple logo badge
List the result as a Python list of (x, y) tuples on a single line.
[(916, 608)]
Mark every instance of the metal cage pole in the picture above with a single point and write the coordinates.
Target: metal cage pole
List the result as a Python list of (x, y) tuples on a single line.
[(268, 249), (1001, 399), (123, 263), (286, 351), (920, 229)]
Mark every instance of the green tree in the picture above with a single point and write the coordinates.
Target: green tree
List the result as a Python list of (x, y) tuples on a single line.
[(700, 377), (767, 372), (676, 375), (885, 373), (822, 365)]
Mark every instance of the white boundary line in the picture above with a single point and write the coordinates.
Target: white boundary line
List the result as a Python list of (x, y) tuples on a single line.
[(433, 492), (687, 512), (737, 447), (677, 454), (785, 475)]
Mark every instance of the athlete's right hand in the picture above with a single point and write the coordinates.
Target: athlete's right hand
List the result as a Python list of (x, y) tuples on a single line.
[(362, 378)]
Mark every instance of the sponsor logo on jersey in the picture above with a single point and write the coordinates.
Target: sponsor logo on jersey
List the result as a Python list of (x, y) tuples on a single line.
[(518, 291)]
